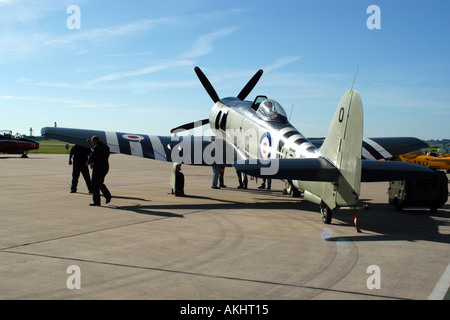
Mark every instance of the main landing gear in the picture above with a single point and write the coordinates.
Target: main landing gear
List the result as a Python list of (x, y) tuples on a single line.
[(327, 214)]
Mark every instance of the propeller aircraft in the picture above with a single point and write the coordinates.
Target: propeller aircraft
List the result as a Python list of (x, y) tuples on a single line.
[(444, 152), (431, 160), (256, 138), (11, 145)]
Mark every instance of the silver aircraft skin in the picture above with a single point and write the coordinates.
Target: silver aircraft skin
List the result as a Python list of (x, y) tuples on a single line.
[(256, 138)]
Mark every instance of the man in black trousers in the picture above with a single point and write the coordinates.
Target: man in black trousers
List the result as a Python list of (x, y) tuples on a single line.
[(80, 156), (98, 160)]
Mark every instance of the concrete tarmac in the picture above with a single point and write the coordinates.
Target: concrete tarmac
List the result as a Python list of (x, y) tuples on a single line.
[(211, 244)]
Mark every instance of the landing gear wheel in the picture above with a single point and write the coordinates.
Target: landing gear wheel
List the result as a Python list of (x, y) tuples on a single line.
[(326, 213), (291, 190)]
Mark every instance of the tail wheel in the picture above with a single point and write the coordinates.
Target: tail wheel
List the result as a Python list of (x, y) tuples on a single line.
[(327, 214)]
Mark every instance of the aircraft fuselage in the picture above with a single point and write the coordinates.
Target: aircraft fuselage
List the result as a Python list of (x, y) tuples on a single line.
[(240, 124)]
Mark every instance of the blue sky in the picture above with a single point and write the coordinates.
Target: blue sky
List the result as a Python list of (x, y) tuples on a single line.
[(130, 66)]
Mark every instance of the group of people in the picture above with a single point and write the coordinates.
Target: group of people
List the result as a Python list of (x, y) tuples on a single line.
[(98, 159), (218, 182)]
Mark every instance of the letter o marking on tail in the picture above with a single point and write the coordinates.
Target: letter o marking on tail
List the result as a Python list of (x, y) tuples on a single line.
[(341, 114)]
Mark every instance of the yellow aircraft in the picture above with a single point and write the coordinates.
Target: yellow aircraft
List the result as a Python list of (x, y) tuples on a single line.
[(424, 159), (444, 152)]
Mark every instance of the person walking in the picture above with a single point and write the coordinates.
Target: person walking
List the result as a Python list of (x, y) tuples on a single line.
[(77, 159), (98, 160)]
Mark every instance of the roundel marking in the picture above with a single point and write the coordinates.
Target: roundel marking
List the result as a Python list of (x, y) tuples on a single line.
[(133, 137), (265, 145)]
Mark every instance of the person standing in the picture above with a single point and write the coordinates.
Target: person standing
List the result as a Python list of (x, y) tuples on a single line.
[(221, 180), (98, 160), (80, 155), (269, 183), (243, 180), (215, 176)]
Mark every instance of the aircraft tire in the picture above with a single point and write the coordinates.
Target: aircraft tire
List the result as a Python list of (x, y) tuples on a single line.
[(397, 205), (327, 214), (291, 190)]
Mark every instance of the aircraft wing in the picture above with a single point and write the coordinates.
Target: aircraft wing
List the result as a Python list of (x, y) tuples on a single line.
[(309, 169), (205, 151), (190, 150), (384, 148), (373, 171), (320, 169)]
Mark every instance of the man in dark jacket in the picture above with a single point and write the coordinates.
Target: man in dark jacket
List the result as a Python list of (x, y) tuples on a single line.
[(98, 160), (80, 155)]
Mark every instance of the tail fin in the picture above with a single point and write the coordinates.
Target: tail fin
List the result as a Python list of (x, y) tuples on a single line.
[(343, 146)]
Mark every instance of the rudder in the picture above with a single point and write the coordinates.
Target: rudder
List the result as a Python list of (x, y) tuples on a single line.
[(343, 147)]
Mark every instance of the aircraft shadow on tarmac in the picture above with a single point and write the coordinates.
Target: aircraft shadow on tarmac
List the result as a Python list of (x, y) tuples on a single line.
[(410, 224), (213, 205), (147, 210)]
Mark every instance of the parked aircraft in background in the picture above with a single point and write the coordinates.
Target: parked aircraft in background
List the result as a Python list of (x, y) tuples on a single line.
[(444, 152), (12, 145), (430, 159)]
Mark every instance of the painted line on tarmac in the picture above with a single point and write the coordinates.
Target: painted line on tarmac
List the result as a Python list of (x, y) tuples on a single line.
[(442, 286)]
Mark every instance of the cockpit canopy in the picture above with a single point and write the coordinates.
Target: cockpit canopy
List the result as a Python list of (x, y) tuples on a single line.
[(270, 110)]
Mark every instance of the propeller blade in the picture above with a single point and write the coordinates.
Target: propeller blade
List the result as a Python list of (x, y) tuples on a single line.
[(190, 125), (250, 85), (206, 84)]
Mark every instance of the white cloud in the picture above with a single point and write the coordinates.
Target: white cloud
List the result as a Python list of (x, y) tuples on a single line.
[(203, 44), (102, 34), (281, 63), (67, 103), (165, 65)]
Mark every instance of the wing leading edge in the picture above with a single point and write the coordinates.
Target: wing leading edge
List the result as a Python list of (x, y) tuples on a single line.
[(204, 151)]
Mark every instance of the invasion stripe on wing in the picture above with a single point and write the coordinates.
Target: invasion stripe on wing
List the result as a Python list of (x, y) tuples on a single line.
[(112, 141), (158, 149), (377, 151), (136, 149)]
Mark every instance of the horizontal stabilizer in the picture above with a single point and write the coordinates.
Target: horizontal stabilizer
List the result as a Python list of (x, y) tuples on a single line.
[(317, 169), (373, 171)]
